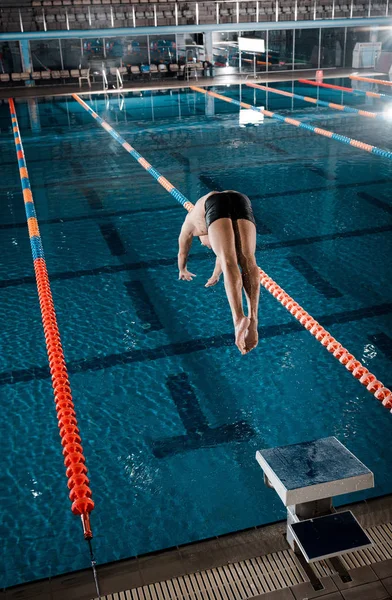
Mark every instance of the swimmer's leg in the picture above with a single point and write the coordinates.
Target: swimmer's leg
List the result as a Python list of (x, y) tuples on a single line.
[(245, 238), (222, 241)]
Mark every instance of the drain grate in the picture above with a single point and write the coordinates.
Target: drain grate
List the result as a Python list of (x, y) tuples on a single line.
[(248, 578)]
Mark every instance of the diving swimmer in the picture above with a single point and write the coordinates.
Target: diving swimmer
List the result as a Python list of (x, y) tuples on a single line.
[(224, 222)]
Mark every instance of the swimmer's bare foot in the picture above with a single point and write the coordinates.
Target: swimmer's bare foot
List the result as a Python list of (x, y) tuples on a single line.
[(240, 329), (251, 336)]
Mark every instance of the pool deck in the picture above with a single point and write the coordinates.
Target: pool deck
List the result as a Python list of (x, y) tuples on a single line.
[(172, 84), (215, 569)]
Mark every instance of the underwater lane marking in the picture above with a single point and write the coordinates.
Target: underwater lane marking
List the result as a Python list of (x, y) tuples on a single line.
[(143, 305), (189, 347), (375, 202), (383, 342), (314, 278), (198, 432), (164, 262)]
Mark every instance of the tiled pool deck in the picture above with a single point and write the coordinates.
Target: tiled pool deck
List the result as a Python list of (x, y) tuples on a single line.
[(235, 566)]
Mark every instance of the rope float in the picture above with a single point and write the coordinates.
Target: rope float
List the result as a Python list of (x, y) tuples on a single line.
[(342, 107), (344, 89), (356, 368), (370, 80), (325, 132), (74, 460)]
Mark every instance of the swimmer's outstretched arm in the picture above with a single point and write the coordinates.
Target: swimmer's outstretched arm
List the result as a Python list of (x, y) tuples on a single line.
[(216, 274), (184, 246)]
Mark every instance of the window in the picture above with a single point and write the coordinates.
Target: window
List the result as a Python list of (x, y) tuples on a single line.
[(251, 62), (45, 54), (354, 36), (163, 48), (332, 47), (306, 48), (10, 61), (72, 53), (225, 52), (280, 50), (93, 48)]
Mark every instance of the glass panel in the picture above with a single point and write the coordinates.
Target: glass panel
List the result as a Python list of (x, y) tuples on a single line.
[(93, 48), (324, 9), (247, 12), (45, 54), (266, 11), (227, 12), (72, 53), (280, 50), (225, 57), (186, 14), (385, 37), (354, 36), (360, 8), (190, 46), (332, 44), (10, 61), (163, 48), (378, 8), (135, 50), (248, 59), (287, 10), (306, 48)]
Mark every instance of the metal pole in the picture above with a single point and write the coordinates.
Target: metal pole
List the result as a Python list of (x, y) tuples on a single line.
[(134, 16), (155, 16), (266, 43), (344, 48), (20, 21), (314, 11), (175, 14), (257, 11), (148, 50), (351, 9), (319, 49), (296, 10), (293, 48), (217, 13), (277, 11), (61, 56), (333, 9), (370, 9)]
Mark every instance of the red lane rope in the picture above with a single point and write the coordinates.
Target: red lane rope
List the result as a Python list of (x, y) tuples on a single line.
[(74, 460), (356, 368)]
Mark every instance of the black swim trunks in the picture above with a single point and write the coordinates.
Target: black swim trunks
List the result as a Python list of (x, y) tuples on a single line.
[(229, 205)]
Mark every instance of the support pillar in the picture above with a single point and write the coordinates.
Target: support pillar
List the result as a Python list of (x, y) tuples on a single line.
[(27, 63)]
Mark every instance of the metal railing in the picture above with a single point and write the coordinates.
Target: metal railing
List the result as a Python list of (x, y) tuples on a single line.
[(44, 18)]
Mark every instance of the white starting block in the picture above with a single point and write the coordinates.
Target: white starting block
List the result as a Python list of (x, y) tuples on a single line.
[(306, 477)]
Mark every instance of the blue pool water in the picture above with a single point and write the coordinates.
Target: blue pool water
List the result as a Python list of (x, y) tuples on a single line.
[(170, 413)]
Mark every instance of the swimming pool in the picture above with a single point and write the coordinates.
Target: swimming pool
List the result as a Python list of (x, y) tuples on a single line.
[(170, 413)]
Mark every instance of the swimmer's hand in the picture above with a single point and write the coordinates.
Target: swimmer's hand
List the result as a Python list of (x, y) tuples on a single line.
[(213, 280), (186, 275)]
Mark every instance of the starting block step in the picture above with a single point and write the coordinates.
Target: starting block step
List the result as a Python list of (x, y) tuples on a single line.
[(328, 536)]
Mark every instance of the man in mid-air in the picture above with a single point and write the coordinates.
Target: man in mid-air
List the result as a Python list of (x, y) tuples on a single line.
[(224, 221)]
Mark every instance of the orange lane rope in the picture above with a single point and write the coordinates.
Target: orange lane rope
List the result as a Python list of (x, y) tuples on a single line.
[(74, 460), (370, 80), (356, 368)]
